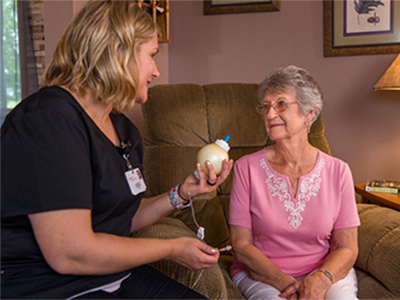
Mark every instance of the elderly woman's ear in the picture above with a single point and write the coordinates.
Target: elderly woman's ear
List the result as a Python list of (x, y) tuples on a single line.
[(310, 115)]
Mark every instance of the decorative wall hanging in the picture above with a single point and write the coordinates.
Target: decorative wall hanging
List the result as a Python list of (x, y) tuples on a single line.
[(359, 27)]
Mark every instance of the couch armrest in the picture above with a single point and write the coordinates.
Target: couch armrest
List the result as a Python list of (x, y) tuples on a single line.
[(379, 244)]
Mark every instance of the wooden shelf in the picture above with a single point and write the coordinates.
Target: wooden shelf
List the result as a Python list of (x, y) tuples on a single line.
[(159, 10)]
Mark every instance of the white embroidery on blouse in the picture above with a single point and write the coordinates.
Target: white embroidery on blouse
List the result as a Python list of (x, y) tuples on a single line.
[(308, 188)]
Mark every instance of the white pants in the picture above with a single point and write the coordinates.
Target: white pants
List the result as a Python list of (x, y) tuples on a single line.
[(344, 289)]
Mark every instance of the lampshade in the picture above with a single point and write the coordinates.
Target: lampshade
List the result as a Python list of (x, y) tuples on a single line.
[(391, 79)]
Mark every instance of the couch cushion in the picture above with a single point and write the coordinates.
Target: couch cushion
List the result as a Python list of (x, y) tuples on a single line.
[(209, 214), (370, 288), (210, 282), (317, 138), (175, 115), (164, 167), (175, 127), (379, 244), (231, 109)]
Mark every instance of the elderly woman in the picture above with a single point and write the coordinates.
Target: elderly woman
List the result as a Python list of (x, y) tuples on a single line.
[(293, 213)]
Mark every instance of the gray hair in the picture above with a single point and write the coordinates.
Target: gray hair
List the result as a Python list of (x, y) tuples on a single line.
[(297, 80)]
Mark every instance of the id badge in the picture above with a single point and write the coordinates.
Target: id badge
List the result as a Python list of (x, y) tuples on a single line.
[(135, 181)]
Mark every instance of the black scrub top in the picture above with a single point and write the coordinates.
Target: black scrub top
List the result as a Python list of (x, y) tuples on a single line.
[(53, 156)]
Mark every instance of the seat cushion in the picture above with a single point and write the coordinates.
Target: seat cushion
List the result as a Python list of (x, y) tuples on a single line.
[(210, 282)]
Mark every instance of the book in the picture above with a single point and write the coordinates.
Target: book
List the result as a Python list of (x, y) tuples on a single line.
[(383, 186)]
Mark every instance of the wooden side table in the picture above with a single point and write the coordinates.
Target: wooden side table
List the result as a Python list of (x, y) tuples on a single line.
[(383, 199)]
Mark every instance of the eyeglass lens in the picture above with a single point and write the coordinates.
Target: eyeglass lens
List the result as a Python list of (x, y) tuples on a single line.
[(279, 106)]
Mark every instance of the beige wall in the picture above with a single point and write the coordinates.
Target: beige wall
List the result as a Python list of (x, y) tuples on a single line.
[(362, 126)]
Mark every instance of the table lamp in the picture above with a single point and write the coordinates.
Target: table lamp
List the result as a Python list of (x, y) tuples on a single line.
[(391, 79)]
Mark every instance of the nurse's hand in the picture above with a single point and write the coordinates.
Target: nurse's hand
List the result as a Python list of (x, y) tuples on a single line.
[(193, 187)]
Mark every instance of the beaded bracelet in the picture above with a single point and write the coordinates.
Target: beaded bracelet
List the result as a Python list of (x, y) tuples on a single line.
[(173, 196)]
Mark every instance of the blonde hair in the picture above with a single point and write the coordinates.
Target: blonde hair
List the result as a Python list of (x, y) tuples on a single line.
[(99, 50)]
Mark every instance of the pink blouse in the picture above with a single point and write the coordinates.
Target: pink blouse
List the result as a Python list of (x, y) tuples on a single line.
[(293, 232)]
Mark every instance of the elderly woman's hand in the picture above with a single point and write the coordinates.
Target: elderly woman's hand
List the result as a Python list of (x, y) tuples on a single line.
[(313, 286), (193, 186)]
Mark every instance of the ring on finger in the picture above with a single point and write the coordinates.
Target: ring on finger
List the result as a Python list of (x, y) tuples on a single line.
[(212, 184)]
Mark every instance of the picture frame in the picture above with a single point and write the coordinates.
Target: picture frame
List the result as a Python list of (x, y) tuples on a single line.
[(213, 7), (354, 27)]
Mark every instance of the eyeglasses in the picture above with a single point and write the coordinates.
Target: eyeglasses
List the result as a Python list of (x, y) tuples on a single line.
[(279, 106)]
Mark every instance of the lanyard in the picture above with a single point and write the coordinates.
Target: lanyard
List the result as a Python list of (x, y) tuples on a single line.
[(126, 147), (133, 176)]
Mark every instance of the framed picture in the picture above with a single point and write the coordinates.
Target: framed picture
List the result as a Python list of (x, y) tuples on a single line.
[(212, 7), (360, 27)]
